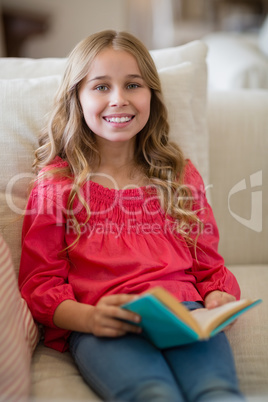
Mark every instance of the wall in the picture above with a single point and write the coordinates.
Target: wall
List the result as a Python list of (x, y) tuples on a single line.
[(70, 21), (158, 23), (2, 52)]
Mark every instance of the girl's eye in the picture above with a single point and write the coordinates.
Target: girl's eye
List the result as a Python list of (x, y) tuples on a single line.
[(133, 86), (101, 88)]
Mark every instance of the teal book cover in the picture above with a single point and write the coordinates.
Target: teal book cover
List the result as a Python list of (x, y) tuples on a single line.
[(164, 327)]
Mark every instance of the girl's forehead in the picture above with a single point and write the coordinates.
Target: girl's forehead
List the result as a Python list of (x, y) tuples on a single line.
[(114, 60)]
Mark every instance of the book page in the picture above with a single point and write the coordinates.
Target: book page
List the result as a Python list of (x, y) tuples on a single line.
[(210, 319)]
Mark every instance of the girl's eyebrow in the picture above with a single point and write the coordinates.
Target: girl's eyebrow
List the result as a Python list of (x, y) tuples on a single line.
[(107, 77), (135, 76), (101, 77)]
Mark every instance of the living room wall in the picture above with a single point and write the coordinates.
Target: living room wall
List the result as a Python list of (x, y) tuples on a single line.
[(69, 21), (158, 23)]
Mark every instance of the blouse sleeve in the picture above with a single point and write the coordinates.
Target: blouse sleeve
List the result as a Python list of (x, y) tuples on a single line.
[(43, 276), (208, 265)]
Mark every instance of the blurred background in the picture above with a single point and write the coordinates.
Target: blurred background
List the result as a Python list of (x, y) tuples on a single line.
[(51, 28)]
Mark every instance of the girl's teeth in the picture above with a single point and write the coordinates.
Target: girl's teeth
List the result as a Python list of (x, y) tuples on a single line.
[(118, 119)]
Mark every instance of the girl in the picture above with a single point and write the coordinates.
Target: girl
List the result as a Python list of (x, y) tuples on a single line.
[(116, 210)]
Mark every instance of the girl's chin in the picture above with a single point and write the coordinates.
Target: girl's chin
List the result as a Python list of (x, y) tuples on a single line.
[(115, 138)]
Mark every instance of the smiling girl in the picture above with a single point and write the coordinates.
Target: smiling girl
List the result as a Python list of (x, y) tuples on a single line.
[(105, 163)]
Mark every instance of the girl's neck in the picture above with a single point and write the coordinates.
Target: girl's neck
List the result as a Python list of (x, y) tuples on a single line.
[(117, 168)]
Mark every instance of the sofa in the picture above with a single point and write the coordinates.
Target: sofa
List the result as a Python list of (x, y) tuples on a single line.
[(238, 59), (225, 133)]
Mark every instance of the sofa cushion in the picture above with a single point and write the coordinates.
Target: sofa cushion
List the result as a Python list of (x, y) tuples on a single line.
[(18, 333), (55, 377), (238, 122), (177, 87), (24, 103), (249, 335), (13, 67), (196, 53)]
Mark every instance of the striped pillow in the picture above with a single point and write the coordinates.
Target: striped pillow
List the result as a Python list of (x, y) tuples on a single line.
[(18, 333)]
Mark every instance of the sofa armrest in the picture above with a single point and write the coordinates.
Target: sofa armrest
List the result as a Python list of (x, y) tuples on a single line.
[(238, 129), (235, 61)]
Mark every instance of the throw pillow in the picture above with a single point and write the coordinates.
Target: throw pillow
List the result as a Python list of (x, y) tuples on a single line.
[(196, 53), (24, 104), (177, 87), (18, 334), (20, 67)]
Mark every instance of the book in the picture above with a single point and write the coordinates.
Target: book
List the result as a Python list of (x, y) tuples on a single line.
[(167, 323)]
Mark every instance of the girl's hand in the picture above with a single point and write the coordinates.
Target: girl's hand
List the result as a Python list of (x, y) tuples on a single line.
[(106, 316), (217, 298)]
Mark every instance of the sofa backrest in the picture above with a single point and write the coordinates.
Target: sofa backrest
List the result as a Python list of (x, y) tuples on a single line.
[(238, 130)]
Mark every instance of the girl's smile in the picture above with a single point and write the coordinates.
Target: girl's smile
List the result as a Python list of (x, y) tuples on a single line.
[(115, 98), (119, 120)]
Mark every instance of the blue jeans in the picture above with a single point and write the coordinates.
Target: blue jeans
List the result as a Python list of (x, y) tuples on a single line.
[(130, 368)]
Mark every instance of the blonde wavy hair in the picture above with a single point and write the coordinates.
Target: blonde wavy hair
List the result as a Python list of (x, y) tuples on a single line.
[(68, 136)]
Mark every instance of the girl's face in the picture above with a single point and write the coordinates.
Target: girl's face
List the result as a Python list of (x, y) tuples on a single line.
[(114, 96)]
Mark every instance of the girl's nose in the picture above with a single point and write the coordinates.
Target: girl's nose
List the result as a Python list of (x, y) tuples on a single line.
[(118, 98)]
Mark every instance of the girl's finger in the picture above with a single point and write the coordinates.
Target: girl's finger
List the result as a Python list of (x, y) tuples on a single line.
[(117, 327), (119, 313)]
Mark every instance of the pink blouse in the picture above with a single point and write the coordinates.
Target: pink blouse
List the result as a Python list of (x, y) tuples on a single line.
[(129, 245)]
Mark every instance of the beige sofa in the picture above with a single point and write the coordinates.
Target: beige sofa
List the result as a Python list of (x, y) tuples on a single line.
[(244, 57), (225, 134)]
